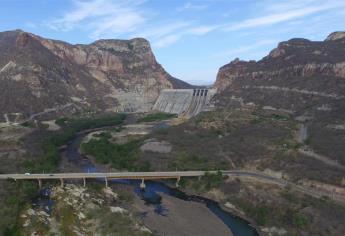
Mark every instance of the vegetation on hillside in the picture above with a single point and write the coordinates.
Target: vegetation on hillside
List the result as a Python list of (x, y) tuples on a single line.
[(20, 193), (119, 156), (156, 117), (51, 143)]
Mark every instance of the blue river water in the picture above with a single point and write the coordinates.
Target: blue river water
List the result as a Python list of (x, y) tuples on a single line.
[(151, 193)]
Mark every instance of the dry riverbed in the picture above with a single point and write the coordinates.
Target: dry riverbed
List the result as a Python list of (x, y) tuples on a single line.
[(181, 218)]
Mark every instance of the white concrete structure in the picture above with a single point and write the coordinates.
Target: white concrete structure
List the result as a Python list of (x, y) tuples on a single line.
[(184, 102)]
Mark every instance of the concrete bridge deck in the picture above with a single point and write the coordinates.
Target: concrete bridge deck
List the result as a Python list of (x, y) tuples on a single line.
[(173, 175), (114, 175)]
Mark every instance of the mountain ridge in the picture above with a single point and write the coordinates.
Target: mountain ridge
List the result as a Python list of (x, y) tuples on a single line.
[(44, 75), (296, 67)]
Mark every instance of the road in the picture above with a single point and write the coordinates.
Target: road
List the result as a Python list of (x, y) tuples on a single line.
[(175, 175), (114, 175)]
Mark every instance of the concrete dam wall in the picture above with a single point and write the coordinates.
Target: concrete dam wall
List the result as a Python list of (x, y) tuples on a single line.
[(184, 102)]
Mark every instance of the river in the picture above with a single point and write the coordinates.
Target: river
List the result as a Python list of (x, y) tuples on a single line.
[(154, 190)]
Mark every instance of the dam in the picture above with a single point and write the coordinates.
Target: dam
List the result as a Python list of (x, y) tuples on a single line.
[(184, 102)]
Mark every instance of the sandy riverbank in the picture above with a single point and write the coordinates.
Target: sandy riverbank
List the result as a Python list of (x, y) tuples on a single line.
[(182, 218)]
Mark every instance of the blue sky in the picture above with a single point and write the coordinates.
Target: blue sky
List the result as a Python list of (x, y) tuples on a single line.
[(191, 39)]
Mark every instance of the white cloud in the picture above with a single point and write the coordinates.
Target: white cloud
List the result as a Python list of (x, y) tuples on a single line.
[(245, 49), (192, 6), (282, 13), (131, 18), (102, 17), (174, 35), (161, 30), (166, 40), (201, 30), (108, 18)]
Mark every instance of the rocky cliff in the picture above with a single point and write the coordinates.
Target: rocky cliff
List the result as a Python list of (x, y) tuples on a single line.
[(299, 76), (40, 76)]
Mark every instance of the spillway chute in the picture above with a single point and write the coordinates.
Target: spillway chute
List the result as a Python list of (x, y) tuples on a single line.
[(184, 102)]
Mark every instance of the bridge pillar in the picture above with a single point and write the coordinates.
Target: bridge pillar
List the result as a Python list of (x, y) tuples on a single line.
[(142, 184), (61, 182), (84, 182), (39, 183), (106, 182), (178, 181)]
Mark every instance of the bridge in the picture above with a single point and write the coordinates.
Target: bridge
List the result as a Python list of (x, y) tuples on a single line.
[(106, 176), (172, 175)]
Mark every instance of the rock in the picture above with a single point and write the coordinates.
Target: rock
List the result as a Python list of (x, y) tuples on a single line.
[(31, 212), (336, 36), (118, 210), (311, 80), (81, 216), (145, 229), (110, 194), (106, 75), (274, 231), (43, 213), (97, 200), (156, 146), (233, 207), (26, 223)]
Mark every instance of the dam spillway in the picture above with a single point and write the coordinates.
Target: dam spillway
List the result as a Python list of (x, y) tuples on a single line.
[(184, 102)]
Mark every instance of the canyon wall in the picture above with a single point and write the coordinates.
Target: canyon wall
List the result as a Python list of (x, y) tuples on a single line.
[(41, 76)]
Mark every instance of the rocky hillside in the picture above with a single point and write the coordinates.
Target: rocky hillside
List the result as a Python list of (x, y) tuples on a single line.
[(40, 76), (298, 76), (301, 78)]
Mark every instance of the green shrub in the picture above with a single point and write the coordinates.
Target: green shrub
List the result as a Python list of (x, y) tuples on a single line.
[(51, 143), (106, 135), (120, 156), (211, 180), (259, 213), (61, 121), (299, 220), (280, 117), (156, 117), (185, 161)]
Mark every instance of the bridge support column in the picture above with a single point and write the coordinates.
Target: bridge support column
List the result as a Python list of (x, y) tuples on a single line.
[(106, 182), (178, 181), (84, 182), (39, 183), (142, 184), (61, 182)]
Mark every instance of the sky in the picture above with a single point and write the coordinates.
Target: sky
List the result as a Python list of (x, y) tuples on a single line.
[(192, 39)]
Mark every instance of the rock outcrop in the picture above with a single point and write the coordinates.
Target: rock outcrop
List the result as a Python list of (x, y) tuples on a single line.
[(298, 76), (44, 76)]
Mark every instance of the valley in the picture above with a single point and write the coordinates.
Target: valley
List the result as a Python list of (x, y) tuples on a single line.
[(267, 141)]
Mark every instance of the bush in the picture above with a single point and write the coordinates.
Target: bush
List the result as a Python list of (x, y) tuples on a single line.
[(106, 135), (212, 180), (259, 213), (51, 143), (156, 117), (299, 220), (184, 161), (120, 156)]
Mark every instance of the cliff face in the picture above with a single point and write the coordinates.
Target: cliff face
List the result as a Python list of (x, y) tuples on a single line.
[(299, 76), (40, 76)]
